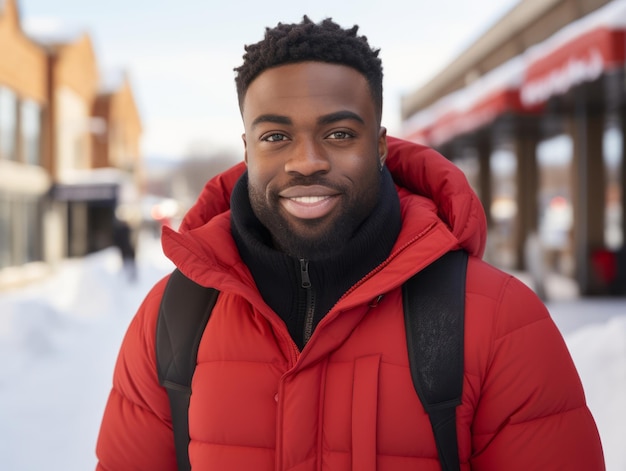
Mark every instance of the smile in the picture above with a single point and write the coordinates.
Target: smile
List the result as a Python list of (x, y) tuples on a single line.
[(309, 206), (309, 199)]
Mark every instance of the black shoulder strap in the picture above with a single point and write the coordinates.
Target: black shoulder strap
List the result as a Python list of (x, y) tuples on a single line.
[(434, 313), (185, 310)]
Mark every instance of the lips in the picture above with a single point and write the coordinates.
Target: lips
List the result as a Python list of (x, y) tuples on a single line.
[(309, 202)]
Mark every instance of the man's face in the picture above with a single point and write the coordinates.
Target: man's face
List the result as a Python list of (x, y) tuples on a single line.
[(313, 149)]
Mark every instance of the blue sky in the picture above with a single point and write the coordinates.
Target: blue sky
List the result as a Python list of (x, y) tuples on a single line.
[(180, 55)]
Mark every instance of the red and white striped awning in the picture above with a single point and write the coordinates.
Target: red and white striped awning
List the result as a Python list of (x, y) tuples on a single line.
[(581, 52), (470, 108)]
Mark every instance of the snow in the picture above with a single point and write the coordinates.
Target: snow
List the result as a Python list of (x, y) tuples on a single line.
[(611, 16), (50, 31), (59, 340)]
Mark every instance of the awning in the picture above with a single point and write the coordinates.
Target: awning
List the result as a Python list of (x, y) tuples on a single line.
[(106, 185), (88, 192), (581, 52), (480, 114), (470, 108)]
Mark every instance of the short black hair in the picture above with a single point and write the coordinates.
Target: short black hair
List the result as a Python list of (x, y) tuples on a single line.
[(308, 41)]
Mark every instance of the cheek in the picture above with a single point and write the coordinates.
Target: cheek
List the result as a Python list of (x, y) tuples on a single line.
[(262, 171), (256, 172), (255, 185), (260, 180), (366, 180), (359, 167)]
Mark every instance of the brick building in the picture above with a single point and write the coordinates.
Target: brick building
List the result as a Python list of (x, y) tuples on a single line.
[(69, 149)]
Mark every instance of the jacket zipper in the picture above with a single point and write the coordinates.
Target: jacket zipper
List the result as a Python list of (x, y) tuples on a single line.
[(309, 313)]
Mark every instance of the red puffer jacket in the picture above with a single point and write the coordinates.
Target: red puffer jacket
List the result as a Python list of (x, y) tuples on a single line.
[(346, 401)]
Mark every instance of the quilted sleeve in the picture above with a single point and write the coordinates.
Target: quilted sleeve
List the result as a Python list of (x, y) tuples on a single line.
[(136, 431), (532, 412)]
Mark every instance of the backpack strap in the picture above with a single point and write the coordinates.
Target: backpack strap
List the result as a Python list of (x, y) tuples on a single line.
[(434, 314), (185, 310)]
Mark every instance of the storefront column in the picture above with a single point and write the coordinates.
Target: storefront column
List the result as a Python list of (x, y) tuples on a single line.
[(525, 142), (484, 148), (587, 131), (620, 281)]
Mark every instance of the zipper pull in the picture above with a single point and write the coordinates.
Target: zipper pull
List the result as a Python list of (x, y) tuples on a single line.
[(304, 273)]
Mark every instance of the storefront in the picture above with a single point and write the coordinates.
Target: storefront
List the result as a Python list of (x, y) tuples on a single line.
[(541, 137)]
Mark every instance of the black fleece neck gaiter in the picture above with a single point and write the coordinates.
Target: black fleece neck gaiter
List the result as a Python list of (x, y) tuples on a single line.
[(277, 275)]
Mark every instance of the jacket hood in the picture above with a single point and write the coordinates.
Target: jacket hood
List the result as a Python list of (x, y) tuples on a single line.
[(414, 167)]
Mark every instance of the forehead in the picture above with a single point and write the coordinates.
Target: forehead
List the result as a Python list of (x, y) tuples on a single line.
[(319, 85)]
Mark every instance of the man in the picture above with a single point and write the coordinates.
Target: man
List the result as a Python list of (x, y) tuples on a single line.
[(303, 364), (123, 239)]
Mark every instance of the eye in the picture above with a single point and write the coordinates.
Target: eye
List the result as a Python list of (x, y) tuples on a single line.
[(340, 135), (274, 137)]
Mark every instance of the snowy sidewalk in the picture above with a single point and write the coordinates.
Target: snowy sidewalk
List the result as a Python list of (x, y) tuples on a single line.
[(59, 340)]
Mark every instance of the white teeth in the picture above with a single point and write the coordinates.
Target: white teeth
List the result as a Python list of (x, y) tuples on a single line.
[(309, 199)]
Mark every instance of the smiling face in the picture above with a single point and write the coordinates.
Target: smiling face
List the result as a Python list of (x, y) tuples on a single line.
[(313, 149)]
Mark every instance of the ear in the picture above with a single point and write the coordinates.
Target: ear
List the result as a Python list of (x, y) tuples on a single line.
[(382, 145), (245, 148)]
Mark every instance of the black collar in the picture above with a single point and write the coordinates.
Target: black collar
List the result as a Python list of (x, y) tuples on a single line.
[(277, 275)]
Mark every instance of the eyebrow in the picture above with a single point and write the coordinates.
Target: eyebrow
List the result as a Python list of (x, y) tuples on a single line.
[(272, 118), (326, 119), (340, 116)]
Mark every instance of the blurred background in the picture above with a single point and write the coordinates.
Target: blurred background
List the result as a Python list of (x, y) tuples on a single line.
[(114, 114), (118, 113)]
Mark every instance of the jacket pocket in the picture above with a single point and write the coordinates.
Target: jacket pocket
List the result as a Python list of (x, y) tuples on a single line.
[(365, 412)]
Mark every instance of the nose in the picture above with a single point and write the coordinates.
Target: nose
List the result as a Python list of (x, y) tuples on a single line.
[(308, 158)]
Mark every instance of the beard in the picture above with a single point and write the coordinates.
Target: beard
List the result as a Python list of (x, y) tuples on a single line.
[(314, 238)]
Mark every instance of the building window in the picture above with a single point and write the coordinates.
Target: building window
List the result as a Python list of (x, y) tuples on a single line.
[(31, 132), (31, 217), (20, 229), (613, 151), (556, 202), (72, 136), (503, 206), (6, 238), (8, 124)]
